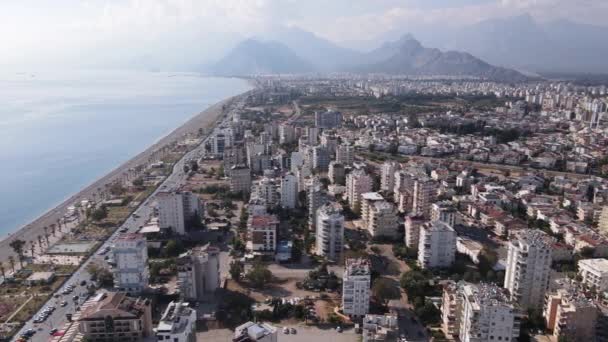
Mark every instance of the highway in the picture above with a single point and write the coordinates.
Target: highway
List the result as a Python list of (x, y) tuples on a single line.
[(138, 218)]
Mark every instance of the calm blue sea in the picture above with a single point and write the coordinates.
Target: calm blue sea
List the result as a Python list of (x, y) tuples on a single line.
[(61, 131)]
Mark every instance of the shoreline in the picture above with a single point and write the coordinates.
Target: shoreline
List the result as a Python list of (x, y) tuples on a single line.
[(205, 119)]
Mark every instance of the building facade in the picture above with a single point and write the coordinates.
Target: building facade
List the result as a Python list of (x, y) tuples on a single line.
[(330, 231), (198, 273), (177, 324), (130, 254), (528, 268), (436, 245), (356, 284), (177, 209)]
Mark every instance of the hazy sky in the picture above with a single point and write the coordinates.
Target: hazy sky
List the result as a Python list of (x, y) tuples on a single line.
[(71, 31)]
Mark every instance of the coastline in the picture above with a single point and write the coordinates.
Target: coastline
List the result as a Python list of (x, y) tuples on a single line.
[(29, 232)]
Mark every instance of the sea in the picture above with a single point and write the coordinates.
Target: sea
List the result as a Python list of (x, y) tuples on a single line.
[(60, 131)]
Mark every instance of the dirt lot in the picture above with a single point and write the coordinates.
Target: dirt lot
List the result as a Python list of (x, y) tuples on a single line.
[(304, 334)]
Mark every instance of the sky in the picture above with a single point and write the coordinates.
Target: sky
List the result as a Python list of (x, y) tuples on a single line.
[(90, 32)]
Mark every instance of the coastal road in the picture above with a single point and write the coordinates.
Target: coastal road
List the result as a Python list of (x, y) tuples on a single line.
[(138, 218)]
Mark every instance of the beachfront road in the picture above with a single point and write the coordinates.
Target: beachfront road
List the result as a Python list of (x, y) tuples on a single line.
[(58, 319)]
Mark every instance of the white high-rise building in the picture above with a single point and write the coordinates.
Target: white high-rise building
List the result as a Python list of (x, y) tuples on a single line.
[(345, 154), (175, 209), (198, 273), (289, 191), (437, 245), (177, 324), (444, 211), (286, 134), (357, 182), (528, 269), (387, 178), (356, 287), (336, 173), (330, 231), (130, 254), (488, 315), (382, 220)]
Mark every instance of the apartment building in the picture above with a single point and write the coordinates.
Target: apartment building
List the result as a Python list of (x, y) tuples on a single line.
[(177, 209), (330, 231), (337, 173), (316, 197), (444, 211), (367, 201), (451, 308), (320, 158), (289, 191), (130, 255), (594, 273), (345, 154), (266, 191), (357, 182), (240, 179), (382, 220), (356, 284), (488, 314), (114, 316), (425, 193), (198, 273), (569, 314), (528, 269), (387, 176), (412, 230), (177, 324), (328, 119), (262, 234), (437, 245)]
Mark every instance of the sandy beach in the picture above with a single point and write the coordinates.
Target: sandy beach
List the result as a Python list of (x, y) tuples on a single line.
[(30, 232)]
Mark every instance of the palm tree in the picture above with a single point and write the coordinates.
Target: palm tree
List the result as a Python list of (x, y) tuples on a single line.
[(32, 246), (11, 261), (46, 237), (40, 242), (53, 229), (17, 246), (46, 233), (2, 270)]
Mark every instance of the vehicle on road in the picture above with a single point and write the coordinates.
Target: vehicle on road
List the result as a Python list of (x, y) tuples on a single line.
[(293, 331), (286, 330), (53, 331), (63, 303), (339, 329)]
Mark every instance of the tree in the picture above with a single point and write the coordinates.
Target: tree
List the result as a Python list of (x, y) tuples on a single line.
[(384, 290), (32, 248), (100, 274), (414, 283), (138, 182), (173, 248), (236, 270), (99, 213), (17, 246), (259, 275), (11, 261), (428, 313), (117, 189), (2, 270)]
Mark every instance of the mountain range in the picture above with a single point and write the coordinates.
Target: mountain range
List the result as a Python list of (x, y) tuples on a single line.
[(303, 52)]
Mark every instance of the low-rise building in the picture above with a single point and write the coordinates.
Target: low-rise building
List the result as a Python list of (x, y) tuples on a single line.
[(255, 332), (177, 324), (380, 328), (113, 316)]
